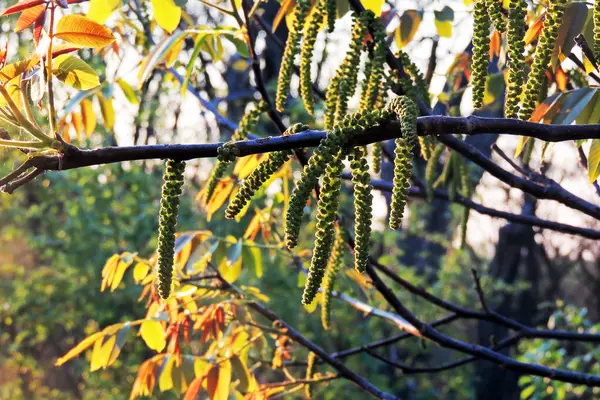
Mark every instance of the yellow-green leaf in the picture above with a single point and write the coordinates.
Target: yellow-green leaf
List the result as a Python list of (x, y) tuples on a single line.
[(88, 116), (167, 14), (108, 112), (153, 334), (140, 271), (75, 72), (128, 91), (373, 5), (102, 352), (82, 31), (443, 21), (82, 346), (100, 10), (594, 160)]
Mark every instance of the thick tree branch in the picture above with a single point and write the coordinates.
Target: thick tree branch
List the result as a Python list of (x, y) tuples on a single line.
[(475, 350)]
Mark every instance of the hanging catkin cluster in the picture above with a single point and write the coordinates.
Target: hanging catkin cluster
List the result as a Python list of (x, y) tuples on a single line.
[(516, 58), (363, 204), (541, 58), (494, 8), (321, 157), (247, 125), (261, 174), (406, 111), (335, 263), (344, 82), (417, 87), (289, 54), (327, 208), (167, 222), (311, 31), (376, 71), (481, 48)]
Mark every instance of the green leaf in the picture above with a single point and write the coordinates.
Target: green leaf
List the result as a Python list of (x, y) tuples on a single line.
[(240, 371), (527, 392), (128, 91), (153, 334), (252, 255), (594, 160), (75, 72)]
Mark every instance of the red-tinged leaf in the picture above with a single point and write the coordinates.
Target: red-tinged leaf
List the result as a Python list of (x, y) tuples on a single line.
[(194, 388), (212, 381), (22, 5), (29, 16), (561, 79), (38, 28), (495, 44)]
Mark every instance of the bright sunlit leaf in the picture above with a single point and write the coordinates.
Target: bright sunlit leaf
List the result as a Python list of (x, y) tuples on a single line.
[(75, 72), (409, 24), (594, 161), (82, 31), (101, 10), (167, 14), (153, 334)]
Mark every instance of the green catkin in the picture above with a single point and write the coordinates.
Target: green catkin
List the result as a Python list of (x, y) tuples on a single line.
[(444, 178), (334, 265), (311, 31), (310, 370), (406, 111), (377, 157), (321, 157), (331, 9), (516, 59), (494, 9), (481, 48), (261, 174), (169, 208), (541, 58), (417, 75), (414, 91), (597, 30), (454, 184), (431, 168), (363, 207), (465, 189), (348, 70), (246, 125), (327, 208), (291, 49), (377, 65), (331, 97)]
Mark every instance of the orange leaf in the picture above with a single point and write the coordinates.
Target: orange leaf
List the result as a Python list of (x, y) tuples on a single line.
[(561, 79), (495, 44), (194, 389), (22, 5), (286, 7), (83, 31), (534, 29), (29, 16)]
